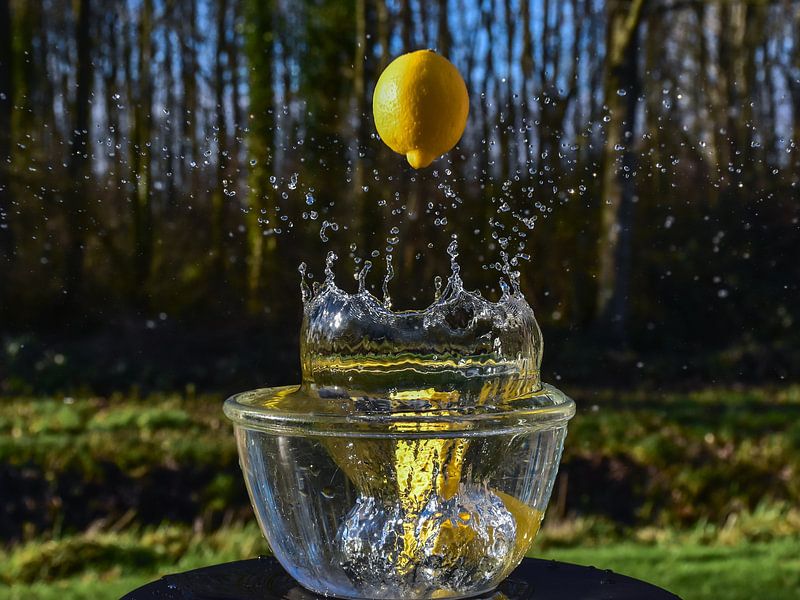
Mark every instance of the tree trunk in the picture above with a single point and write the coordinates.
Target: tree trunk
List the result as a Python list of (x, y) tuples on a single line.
[(485, 148), (721, 136), (756, 159), (259, 47), (218, 195), (622, 89), (462, 162), (189, 150), (383, 34), (407, 33), (501, 111), (769, 103), (443, 38), (508, 132), (169, 134), (554, 104), (582, 116), (141, 202), (361, 122), (422, 22), (526, 63), (542, 135), (78, 164), (288, 136), (6, 108), (794, 85), (233, 66), (111, 97), (731, 63)]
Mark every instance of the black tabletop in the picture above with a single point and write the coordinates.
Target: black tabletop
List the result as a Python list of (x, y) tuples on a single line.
[(264, 579)]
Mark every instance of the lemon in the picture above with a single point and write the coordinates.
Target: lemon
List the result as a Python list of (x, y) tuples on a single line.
[(420, 106), (528, 520)]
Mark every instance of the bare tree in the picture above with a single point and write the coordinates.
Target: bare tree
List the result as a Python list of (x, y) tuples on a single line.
[(526, 64), (487, 19), (221, 130), (79, 160), (170, 60), (460, 158), (622, 88), (508, 124), (794, 82), (407, 30), (443, 38), (384, 34), (360, 106), (554, 101), (234, 67), (113, 30), (6, 108), (262, 216), (141, 155), (189, 147)]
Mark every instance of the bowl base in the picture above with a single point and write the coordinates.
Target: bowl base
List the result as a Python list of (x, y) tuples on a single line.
[(486, 594)]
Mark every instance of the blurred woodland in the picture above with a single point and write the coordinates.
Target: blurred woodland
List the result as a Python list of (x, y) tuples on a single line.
[(165, 165)]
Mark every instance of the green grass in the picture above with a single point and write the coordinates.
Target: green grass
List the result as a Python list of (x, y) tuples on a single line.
[(117, 563), (710, 480), (678, 457), (695, 572), (87, 587), (106, 565)]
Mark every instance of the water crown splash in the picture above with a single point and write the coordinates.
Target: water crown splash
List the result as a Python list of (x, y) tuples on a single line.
[(463, 348)]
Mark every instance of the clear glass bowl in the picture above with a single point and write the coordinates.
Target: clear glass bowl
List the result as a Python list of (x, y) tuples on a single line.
[(365, 497)]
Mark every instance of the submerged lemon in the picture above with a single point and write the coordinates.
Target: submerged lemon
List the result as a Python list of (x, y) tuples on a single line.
[(420, 106), (528, 521)]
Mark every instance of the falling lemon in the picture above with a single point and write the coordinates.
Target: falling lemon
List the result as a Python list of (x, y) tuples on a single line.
[(420, 106)]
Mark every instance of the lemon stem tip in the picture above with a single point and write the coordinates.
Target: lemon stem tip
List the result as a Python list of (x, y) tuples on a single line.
[(419, 159)]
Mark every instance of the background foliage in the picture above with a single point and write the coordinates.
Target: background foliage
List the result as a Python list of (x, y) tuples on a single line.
[(168, 163)]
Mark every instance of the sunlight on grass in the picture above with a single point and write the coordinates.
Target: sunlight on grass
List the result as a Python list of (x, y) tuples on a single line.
[(744, 572)]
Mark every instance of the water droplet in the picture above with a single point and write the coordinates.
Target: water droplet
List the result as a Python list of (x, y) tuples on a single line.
[(437, 287), (329, 260), (387, 300), (362, 276), (305, 292)]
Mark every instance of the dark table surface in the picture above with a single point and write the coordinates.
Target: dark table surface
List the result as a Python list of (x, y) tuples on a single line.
[(264, 579)]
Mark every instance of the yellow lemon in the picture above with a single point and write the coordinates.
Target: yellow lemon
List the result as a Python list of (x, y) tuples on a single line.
[(528, 521), (420, 106)]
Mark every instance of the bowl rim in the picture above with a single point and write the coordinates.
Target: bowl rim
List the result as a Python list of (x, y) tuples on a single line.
[(547, 408)]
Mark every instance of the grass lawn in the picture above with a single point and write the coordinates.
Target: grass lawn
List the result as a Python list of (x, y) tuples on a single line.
[(694, 571), (696, 492)]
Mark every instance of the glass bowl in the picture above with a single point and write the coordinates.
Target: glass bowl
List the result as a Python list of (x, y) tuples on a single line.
[(371, 497)]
